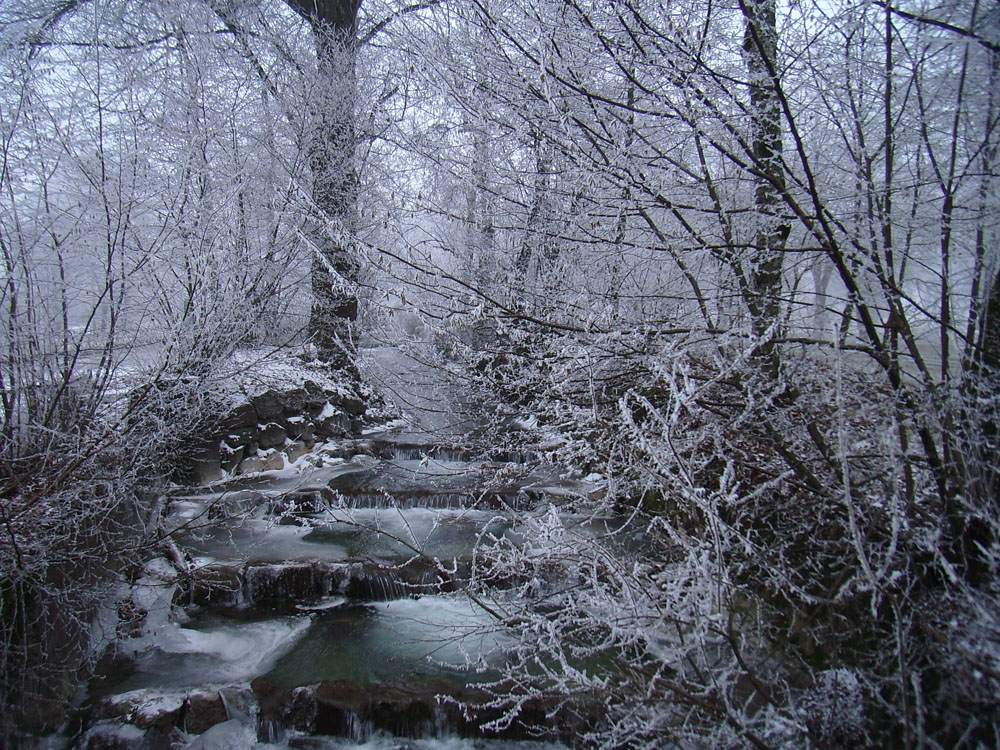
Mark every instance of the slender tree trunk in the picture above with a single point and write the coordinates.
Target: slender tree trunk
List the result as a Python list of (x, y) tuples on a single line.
[(537, 239), (989, 337), (764, 264), (331, 147)]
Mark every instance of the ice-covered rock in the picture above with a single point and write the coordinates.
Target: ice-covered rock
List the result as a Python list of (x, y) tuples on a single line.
[(233, 734)]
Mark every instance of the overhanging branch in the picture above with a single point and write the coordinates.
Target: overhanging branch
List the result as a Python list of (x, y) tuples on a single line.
[(928, 21), (404, 11)]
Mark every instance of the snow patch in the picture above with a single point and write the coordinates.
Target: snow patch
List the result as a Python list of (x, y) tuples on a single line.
[(331, 602), (393, 424), (525, 422), (148, 704)]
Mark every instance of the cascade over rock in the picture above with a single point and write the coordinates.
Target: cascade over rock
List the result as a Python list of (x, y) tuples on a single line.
[(333, 587)]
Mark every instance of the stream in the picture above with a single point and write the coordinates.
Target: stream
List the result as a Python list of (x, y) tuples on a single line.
[(324, 601)]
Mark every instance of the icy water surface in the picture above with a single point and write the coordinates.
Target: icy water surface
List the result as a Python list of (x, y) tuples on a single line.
[(364, 642), (423, 501), (214, 650), (429, 637)]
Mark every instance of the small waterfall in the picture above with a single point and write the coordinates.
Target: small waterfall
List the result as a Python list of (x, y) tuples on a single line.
[(271, 731), (367, 500), (442, 726), (384, 501), (401, 452), (442, 501), (282, 585), (358, 729), (379, 587)]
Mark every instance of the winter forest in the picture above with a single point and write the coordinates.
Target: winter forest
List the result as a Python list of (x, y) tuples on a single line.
[(630, 366)]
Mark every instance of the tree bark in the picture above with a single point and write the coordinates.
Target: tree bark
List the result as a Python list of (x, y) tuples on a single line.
[(762, 292), (331, 146)]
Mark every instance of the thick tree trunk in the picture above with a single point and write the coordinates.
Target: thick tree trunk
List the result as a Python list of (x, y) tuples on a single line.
[(331, 146)]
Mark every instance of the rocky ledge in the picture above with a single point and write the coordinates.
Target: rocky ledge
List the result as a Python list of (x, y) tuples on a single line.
[(273, 428), (420, 708)]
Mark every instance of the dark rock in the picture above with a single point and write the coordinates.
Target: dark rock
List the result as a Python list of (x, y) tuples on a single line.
[(242, 436), (344, 708), (337, 450), (113, 668), (312, 410), (230, 457), (284, 585), (242, 416), (313, 389), (271, 435), (203, 711), (293, 400), (340, 706), (113, 735), (296, 450), (314, 400), (299, 428), (363, 447), (204, 465), (270, 698), (215, 584), (158, 714), (205, 472), (349, 403), (298, 503), (131, 619), (300, 709), (402, 712), (334, 425), (233, 503), (268, 406), (265, 462), (145, 709)]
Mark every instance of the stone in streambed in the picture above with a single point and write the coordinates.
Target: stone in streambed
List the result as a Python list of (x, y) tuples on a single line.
[(214, 584), (193, 711), (113, 735), (287, 584), (341, 706)]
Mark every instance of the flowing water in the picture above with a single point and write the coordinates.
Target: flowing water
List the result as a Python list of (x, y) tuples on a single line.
[(335, 588)]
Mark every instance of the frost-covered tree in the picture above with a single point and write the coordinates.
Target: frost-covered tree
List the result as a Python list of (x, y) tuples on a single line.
[(141, 246), (769, 219)]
